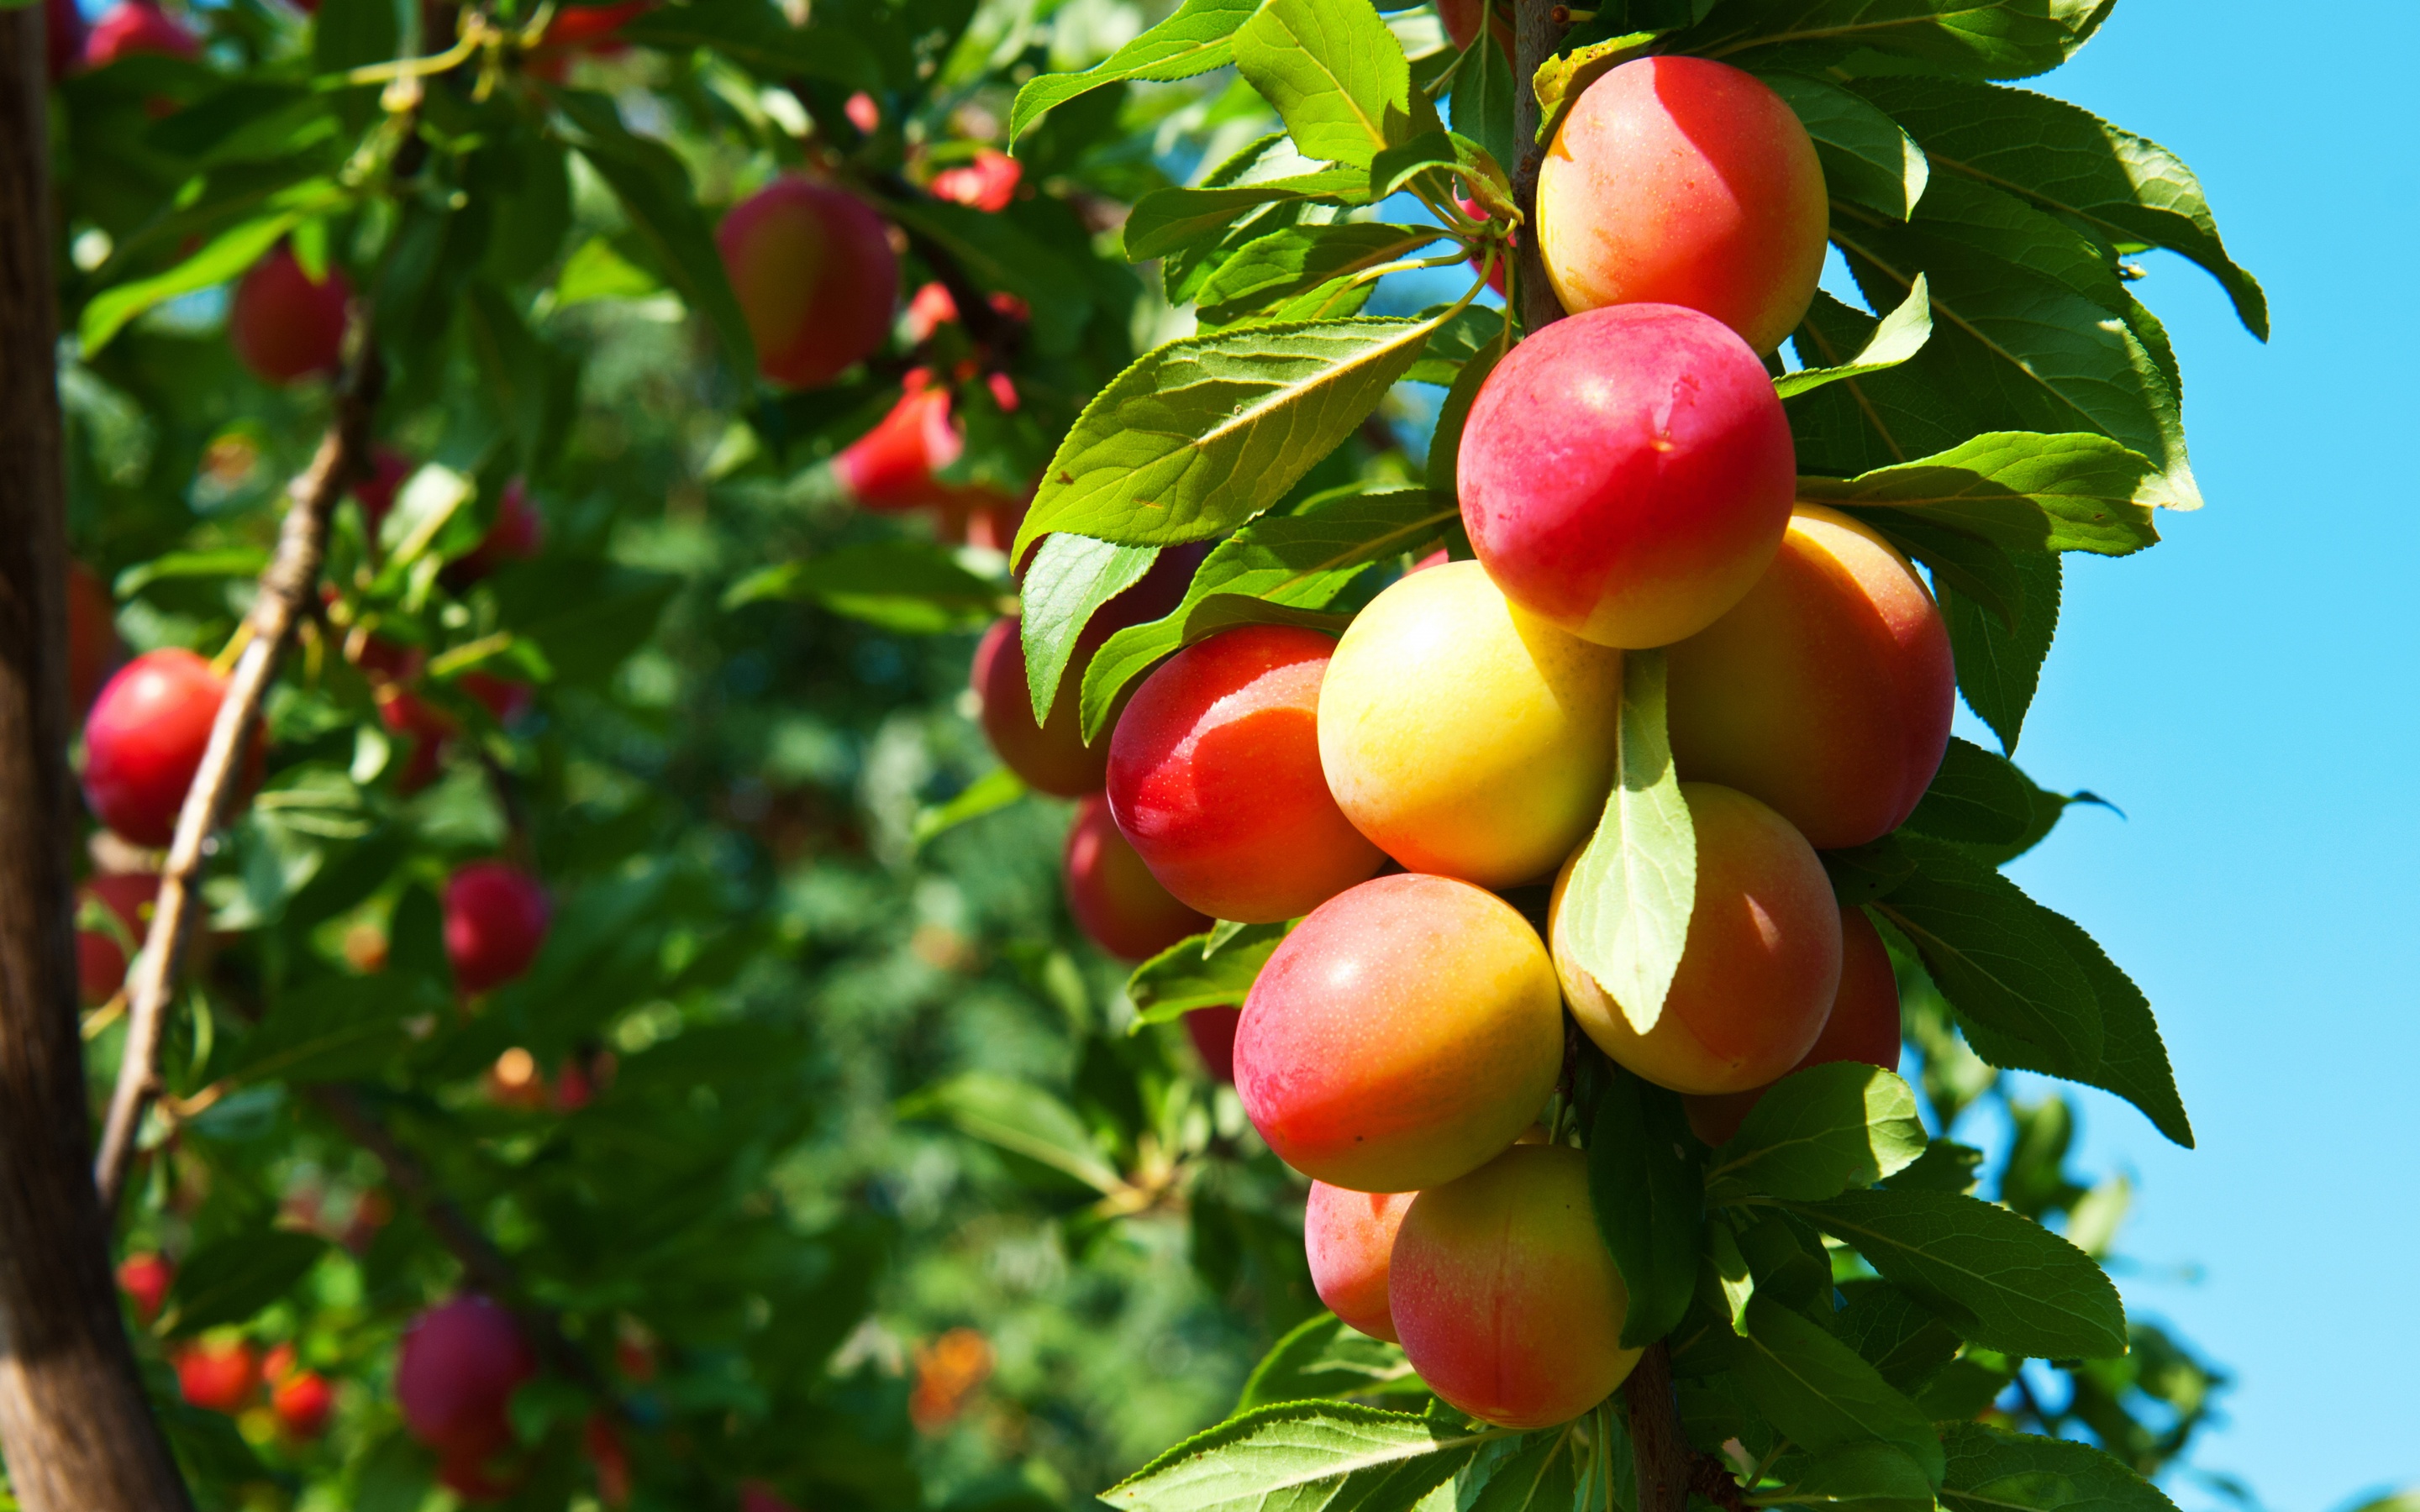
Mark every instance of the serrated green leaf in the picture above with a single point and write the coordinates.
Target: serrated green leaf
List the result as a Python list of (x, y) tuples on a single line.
[(2002, 1281), (1299, 258), (1300, 561), (1897, 337), (1542, 1475), (1998, 956), (1992, 1471), (227, 256), (1320, 1357), (1859, 1477), (1020, 1117), (1999, 664), (1190, 974), (2019, 489), (1193, 40), (1482, 99), (1820, 1393), (1894, 1332), (1463, 337), (1818, 1131), (1326, 1457), (760, 38), (1445, 440), (1204, 433), (1863, 873), (1868, 157), (1990, 42), (1976, 798), (1648, 1194), (1625, 913), (1336, 76), (1070, 578), (1944, 1166), (1165, 219), (334, 1029), (2067, 160)]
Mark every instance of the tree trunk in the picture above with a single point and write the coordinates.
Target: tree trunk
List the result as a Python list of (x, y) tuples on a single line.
[(73, 1423), (1538, 29)]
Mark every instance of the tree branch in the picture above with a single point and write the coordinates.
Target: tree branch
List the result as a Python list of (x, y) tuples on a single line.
[(286, 591), (74, 1417), (1537, 31), (1660, 1451)]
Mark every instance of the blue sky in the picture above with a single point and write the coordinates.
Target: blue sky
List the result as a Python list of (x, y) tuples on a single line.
[(2245, 693)]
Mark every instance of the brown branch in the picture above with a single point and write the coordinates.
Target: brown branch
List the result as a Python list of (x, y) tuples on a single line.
[(1659, 1449), (1537, 31), (74, 1419), (287, 587)]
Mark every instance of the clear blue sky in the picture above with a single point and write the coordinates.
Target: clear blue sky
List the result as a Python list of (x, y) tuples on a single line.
[(2246, 693)]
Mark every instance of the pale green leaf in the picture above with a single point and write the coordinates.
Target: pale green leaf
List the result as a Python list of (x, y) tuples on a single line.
[(1818, 1131), (227, 256), (1321, 1357), (1018, 1117), (1191, 974), (1336, 75), (1070, 578), (1305, 1457), (1868, 157), (1625, 916), (1898, 336), (1992, 1471), (993, 791), (1194, 39), (2020, 489)]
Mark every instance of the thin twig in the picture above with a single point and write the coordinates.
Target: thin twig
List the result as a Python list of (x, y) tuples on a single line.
[(1536, 32), (287, 587)]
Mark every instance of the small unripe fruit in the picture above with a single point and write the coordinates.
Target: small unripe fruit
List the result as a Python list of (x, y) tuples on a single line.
[(1759, 969), (1348, 1238), (1827, 691), (1505, 1295), (144, 1277), (1212, 1032), (133, 26), (1627, 474), (1115, 898), (1400, 1035), (100, 960), (1214, 778), (218, 1377), (301, 1400), (1464, 736), (144, 740), (495, 921), (1862, 1025), (456, 1374), (815, 277), (1681, 180), (285, 327)]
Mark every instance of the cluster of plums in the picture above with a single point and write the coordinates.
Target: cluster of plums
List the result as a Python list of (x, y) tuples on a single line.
[(1627, 481), (231, 1374)]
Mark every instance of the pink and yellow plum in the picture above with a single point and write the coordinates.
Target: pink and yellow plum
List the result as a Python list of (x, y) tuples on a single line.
[(1862, 1026), (1627, 474), (1760, 968), (1827, 691), (1504, 1295), (1681, 180), (1404, 1034), (1115, 898), (1214, 778), (1348, 1237)]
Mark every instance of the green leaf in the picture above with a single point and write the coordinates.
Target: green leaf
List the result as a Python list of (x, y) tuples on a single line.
[(2019, 489), (346, 34), (1863, 1477), (227, 256), (914, 586), (1321, 1357), (1071, 577), (1898, 336), (1165, 219), (1192, 40), (758, 38), (1461, 338), (223, 561), (652, 186), (1204, 433), (2022, 321), (1336, 76), (1625, 915), (230, 1280), (1002, 257), (597, 271), (1201, 971), (1324, 1456), (2002, 1281), (1482, 99), (1990, 42), (1018, 1117), (1562, 79), (1820, 1393), (1976, 798), (2063, 158), (1944, 1166), (1868, 157), (2133, 1060), (1864, 873), (993, 791), (1894, 1332), (1991, 1471), (1300, 561), (1649, 1197), (1542, 1475), (1299, 258), (1445, 442), (334, 1029), (1998, 956), (1818, 1131), (1999, 664)]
